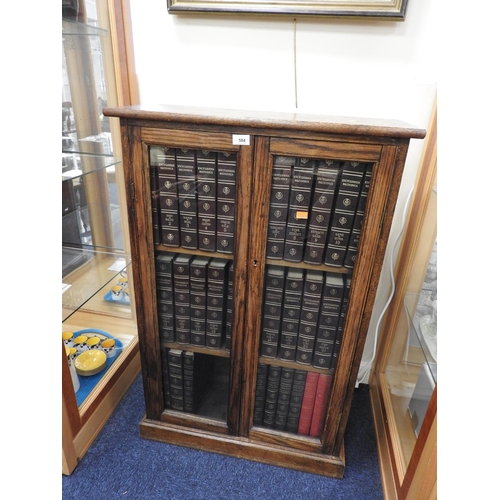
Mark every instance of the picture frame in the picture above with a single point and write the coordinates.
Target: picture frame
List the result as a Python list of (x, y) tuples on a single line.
[(372, 9)]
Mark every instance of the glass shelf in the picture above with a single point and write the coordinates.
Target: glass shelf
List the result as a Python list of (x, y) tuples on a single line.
[(73, 28), (91, 279), (72, 163)]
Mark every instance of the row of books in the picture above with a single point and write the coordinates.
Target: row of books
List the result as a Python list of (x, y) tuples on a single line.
[(303, 315), (195, 299), (185, 377), (317, 210), (193, 198), (291, 400)]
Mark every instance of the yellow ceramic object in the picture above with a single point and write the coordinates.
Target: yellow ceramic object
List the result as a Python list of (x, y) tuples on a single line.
[(90, 362)]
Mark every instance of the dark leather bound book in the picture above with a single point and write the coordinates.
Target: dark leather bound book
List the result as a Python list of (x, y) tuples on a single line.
[(169, 203), (216, 302), (229, 306), (284, 394), (165, 377), (351, 181), (155, 214), (260, 393), (156, 154), (188, 381), (352, 248), (331, 302), (198, 274), (165, 295), (321, 210), (309, 316), (308, 404), (320, 402), (298, 209), (175, 373), (226, 201), (292, 302), (187, 191), (271, 401), (273, 302), (340, 326), (207, 197), (296, 397), (181, 299), (278, 210)]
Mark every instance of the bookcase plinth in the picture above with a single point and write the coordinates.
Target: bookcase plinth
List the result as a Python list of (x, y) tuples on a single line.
[(238, 447)]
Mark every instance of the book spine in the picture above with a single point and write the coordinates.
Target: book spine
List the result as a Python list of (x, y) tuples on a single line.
[(169, 203), (320, 403), (260, 393), (284, 394), (309, 316), (292, 302), (296, 397), (278, 211), (271, 401), (298, 210), (165, 377), (155, 214), (188, 213), (328, 319), (207, 196), (350, 183), (308, 403), (229, 306), (165, 295), (216, 302), (352, 248), (340, 326), (154, 153), (273, 302), (322, 203), (226, 201), (188, 380), (175, 378), (181, 299), (198, 272)]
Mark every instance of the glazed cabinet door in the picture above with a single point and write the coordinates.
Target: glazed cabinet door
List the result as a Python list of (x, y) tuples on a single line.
[(318, 226), (189, 210)]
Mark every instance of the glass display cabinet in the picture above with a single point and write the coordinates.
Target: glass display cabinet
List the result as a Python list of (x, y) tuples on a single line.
[(404, 377), (98, 313)]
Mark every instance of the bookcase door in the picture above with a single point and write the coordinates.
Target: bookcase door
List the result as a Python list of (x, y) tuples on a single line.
[(194, 230), (310, 218)]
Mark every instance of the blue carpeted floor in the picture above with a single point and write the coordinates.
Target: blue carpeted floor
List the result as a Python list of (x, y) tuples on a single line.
[(121, 465)]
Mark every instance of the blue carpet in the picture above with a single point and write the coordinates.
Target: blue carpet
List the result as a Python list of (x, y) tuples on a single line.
[(121, 465)]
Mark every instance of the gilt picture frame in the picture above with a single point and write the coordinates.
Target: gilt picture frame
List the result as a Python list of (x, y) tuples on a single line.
[(371, 9)]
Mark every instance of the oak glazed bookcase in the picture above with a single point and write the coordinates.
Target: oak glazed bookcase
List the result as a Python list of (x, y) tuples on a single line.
[(224, 368)]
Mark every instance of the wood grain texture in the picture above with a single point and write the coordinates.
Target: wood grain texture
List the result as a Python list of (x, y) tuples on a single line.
[(383, 143)]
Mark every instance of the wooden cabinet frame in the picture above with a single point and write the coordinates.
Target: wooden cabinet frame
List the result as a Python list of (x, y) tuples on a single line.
[(385, 144), (417, 480)]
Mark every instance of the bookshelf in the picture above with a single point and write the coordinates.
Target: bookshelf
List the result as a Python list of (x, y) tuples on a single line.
[(276, 336)]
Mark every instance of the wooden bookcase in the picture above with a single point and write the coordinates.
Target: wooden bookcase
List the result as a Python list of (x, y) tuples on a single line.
[(257, 140)]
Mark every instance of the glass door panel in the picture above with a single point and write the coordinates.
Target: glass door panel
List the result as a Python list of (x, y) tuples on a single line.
[(193, 197), (314, 226)]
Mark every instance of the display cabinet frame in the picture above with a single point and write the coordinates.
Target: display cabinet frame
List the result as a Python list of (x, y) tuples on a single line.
[(408, 475)]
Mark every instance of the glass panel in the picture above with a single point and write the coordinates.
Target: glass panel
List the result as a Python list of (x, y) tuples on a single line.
[(96, 305), (315, 219), (193, 207), (410, 373)]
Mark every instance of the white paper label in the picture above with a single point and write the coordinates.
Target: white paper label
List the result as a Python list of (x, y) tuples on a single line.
[(241, 140)]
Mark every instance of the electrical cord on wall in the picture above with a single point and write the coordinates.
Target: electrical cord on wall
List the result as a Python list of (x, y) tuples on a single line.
[(365, 368)]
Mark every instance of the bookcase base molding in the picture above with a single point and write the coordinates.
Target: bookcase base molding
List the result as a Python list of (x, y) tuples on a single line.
[(257, 241), (239, 447)]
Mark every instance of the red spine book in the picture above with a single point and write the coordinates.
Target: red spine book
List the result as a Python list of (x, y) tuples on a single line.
[(318, 414), (308, 403)]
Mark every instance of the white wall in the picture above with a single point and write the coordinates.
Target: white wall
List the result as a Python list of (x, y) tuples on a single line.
[(377, 69)]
